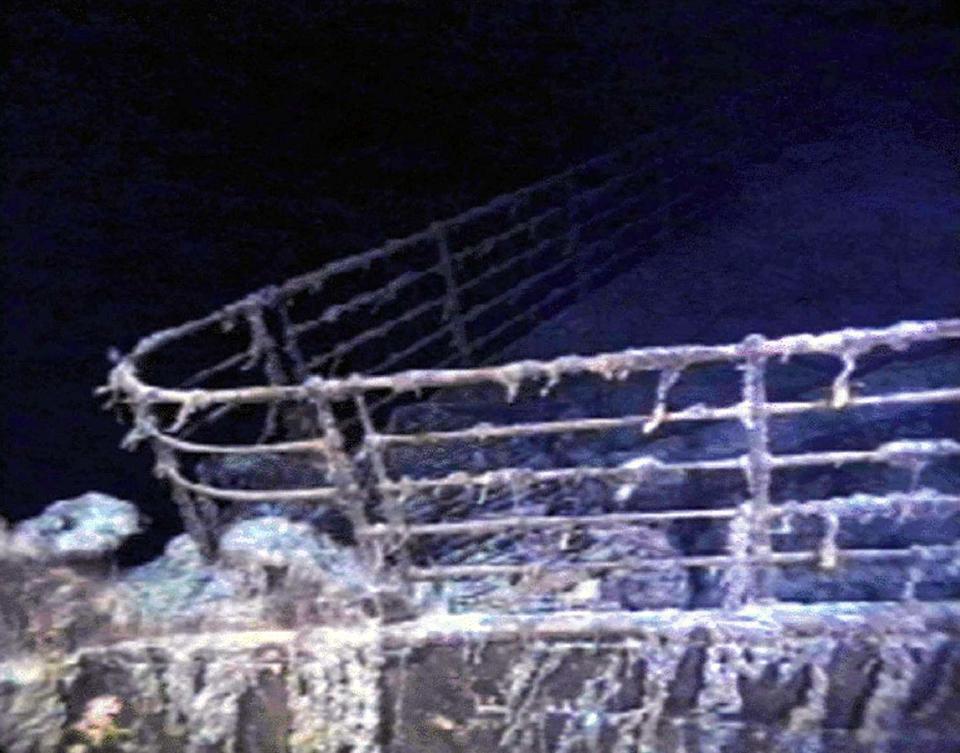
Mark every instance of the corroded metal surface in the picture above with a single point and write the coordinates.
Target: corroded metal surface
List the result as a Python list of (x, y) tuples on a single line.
[(857, 680)]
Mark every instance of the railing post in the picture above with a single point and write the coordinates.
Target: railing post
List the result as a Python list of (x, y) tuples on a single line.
[(748, 581), (201, 516), (452, 310), (340, 467), (262, 343), (395, 543), (291, 348)]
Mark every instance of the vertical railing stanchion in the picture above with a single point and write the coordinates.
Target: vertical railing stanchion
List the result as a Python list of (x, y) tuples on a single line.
[(262, 343), (200, 515), (291, 347), (396, 539), (264, 346), (452, 311), (341, 469), (748, 581)]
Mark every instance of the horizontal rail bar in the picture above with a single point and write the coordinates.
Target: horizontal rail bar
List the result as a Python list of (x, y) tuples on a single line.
[(218, 368), (377, 405), (524, 476), (526, 522), (381, 295), (698, 412), (158, 339), (320, 493), (555, 295), (487, 245), (343, 348), (609, 365), (945, 395), (858, 504), (749, 626), (600, 217), (211, 418), (459, 572), (437, 334), (484, 247), (299, 446), (486, 433), (853, 505), (513, 261), (892, 452), (516, 291), (617, 257), (833, 505), (897, 337), (618, 181)]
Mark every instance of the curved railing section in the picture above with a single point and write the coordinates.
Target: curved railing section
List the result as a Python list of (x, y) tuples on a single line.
[(366, 388)]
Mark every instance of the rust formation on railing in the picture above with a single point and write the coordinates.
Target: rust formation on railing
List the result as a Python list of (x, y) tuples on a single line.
[(530, 492)]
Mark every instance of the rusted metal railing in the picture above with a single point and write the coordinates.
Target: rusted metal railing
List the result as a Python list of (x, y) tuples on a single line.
[(331, 346)]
